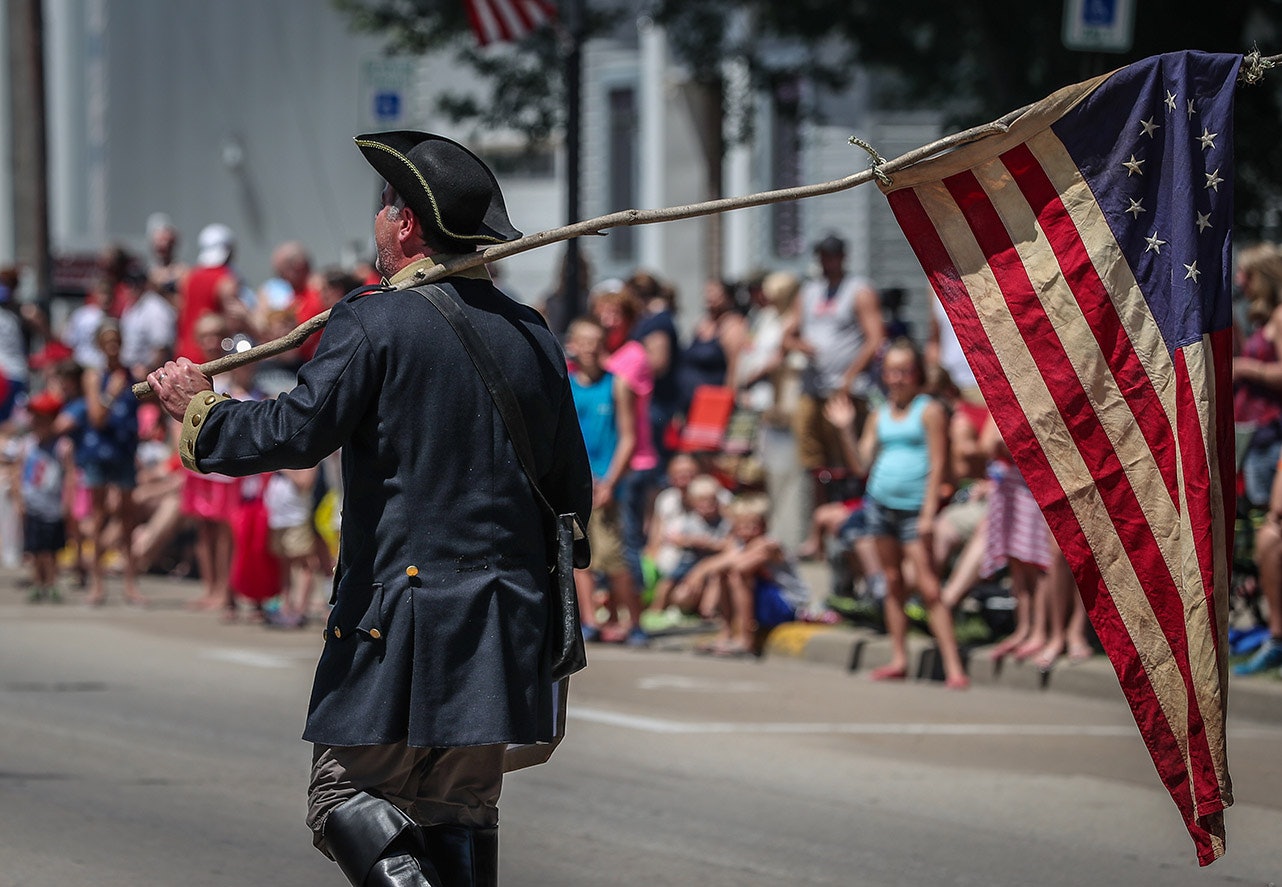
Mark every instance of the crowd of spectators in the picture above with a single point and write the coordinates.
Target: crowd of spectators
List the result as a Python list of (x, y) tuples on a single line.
[(93, 487), (790, 420)]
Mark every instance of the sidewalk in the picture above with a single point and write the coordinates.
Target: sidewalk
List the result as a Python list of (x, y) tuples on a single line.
[(1257, 698)]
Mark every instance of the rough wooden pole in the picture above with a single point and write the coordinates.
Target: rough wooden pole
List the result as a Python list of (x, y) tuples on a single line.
[(1252, 70)]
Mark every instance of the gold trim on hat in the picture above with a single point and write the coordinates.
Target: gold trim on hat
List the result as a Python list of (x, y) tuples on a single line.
[(430, 196)]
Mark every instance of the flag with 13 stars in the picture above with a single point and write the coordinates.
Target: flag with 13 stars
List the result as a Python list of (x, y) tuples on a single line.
[(1084, 259)]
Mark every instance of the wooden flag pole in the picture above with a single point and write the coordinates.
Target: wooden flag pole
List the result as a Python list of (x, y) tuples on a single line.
[(1253, 68)]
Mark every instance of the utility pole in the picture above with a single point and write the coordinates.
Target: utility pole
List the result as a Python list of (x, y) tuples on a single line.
[(25, 27), (573, 21)]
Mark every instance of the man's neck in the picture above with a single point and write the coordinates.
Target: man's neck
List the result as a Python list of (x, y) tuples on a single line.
[(422, 264)]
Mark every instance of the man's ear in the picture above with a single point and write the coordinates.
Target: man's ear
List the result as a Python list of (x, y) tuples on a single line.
[(408, 227)]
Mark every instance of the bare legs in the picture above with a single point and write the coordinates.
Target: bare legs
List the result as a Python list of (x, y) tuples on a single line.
[(940, 618), (213, 557), (102, 511)]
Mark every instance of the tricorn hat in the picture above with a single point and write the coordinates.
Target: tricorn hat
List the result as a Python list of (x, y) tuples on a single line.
[(450, 189)]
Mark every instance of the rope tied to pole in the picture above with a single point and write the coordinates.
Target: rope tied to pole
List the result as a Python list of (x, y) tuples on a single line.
[(1254, 65), (877, 161)]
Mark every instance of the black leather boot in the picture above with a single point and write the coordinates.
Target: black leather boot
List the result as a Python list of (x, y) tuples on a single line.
[(377, 845), (464, 857)]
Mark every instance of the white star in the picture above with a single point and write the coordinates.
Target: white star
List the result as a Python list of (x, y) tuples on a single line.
[(1203, 222), (1192, 271), (1207, 138), (1191, 111), (1170, 100), (1150, 127), (1135, 208), (1154, 244), (1213, 180), (1133, 167)]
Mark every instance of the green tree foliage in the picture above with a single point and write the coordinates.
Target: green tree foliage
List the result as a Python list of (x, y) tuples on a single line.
[(973, 60)]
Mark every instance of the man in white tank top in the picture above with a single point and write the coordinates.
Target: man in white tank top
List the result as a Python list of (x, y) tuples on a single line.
[(837, 324)]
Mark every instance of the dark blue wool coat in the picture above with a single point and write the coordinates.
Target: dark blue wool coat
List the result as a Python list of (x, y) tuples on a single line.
[(441, 594)]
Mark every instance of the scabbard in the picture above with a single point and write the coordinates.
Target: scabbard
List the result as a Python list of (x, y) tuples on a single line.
[(518, 757)]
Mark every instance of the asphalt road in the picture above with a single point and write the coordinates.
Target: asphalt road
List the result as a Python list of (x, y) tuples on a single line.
[(160, 747)]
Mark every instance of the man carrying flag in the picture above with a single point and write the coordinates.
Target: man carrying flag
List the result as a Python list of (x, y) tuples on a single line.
[(1083, 257)]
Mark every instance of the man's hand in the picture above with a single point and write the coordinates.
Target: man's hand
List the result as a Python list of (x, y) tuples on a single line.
[(176, 383)]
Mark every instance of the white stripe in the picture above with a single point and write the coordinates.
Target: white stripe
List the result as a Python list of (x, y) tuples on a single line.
[(643, 724), (248, 657)]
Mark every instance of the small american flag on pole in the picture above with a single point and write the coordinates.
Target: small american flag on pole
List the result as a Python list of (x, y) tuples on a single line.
[(498, 21), (1084, 258)]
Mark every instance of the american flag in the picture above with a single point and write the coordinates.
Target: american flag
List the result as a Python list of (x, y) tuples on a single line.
[(1084, 260), (497, 21)]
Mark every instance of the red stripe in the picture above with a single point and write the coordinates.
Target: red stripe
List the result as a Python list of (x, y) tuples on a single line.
[(1197, 478), (478, 27), (1155, 730), (1096, 305), (1120, 499)]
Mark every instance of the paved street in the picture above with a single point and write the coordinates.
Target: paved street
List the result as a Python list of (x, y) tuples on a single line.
[(161, 747)]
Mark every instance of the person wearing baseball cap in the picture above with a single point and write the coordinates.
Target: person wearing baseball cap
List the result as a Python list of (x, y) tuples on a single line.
[(434, 658)]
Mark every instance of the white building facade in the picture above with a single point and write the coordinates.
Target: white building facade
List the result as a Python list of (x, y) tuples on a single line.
[(243, 112)]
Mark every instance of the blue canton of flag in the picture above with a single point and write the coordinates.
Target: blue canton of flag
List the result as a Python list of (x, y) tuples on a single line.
[(1163, 177)]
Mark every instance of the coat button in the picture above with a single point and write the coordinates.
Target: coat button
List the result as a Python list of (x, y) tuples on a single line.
[(338, 632), (210, 399), (325, 634), (195, 420), (375, 633), (411, 571)]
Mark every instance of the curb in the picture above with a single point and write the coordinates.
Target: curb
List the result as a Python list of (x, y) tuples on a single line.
[(860, 649)]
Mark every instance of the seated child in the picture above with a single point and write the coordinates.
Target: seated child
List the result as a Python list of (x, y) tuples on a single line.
[(696, 534), (671, 505), (757, 585)]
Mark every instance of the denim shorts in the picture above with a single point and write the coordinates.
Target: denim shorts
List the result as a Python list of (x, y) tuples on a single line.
[(111, 474), (1258, 467), (897, 523)]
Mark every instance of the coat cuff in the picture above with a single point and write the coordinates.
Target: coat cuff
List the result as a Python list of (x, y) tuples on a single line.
[(197, 409)]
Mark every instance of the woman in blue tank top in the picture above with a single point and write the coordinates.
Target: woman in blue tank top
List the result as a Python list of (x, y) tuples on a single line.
[(904, 449)]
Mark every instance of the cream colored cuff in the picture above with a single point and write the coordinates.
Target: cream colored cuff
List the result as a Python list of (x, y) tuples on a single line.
[(197, 409)]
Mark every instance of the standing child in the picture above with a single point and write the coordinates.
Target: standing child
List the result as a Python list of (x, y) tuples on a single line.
[(45, 483), (1016, 537), (604, 405), (904, 449), (289, 516)]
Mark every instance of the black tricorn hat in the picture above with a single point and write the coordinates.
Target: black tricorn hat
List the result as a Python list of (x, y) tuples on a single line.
[(450, 189)]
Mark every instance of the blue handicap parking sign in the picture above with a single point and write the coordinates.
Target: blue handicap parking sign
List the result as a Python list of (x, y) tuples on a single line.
[(1099, 13), (387, 105)]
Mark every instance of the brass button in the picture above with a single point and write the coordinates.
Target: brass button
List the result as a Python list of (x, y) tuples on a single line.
[(325, 634), (210, 399), (195, 420), (338, 632), (375, 633), (411, 571)]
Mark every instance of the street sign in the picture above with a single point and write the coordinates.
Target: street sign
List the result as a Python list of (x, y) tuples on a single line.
[(1099, 25), (387, 87)]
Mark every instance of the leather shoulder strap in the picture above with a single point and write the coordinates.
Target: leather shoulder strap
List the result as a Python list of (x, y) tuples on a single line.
[(445, 300)]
